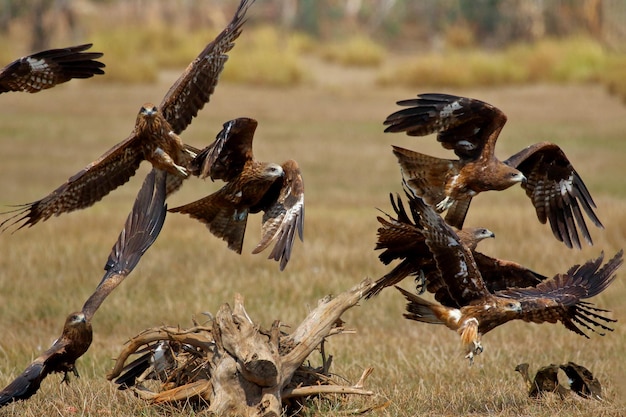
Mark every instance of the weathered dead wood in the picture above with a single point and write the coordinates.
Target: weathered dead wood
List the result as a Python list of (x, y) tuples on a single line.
[(240, 369)]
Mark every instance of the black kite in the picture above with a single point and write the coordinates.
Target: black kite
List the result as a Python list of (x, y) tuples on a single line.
[(154, 138), (471, 128), (251, 186), (43, 70), (469, 307)]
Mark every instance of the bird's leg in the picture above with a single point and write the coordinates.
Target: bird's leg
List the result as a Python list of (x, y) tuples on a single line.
[(165, 162), (444, 204), (191, 153)]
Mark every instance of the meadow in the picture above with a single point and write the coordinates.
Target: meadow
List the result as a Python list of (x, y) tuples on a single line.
[(333, 128)]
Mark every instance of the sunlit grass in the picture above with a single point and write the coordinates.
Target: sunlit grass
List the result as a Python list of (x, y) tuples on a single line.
[(336, 136)]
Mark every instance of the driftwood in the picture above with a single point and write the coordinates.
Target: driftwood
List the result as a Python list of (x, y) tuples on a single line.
[(235, 367)]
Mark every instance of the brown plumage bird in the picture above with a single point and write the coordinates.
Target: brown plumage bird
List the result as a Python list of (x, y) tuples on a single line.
[(140, 231), (154, 138), (251, 186), (471, 128), (470, 308), (546, 380), (403, 239), (582, 381), (45, 69)]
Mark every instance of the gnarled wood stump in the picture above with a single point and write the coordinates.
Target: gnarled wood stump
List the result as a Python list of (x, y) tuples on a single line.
[(233, 365)]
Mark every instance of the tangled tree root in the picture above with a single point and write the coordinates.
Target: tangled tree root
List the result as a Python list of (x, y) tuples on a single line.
[(234, 366)]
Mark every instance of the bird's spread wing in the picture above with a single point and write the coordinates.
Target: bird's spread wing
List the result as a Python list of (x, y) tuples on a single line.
[(559, 298), (459, 272), (46, 69), (141, 229), (403, 238), (85, 188), (499, 274), (25, 385), (219, 214), (283, 214), (557, 191), (225, 158), (467, 126), (194, 87)]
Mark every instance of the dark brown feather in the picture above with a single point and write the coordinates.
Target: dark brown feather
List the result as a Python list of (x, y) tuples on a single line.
[(46, 69), (557, 191), (193, 89)]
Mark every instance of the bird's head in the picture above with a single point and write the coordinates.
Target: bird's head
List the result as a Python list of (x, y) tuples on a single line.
[(75, 318), (481, 233), (508, 304), (148, 110), (272, 171)]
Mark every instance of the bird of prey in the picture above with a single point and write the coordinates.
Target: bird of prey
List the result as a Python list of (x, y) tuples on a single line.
[(140, 230), (154, 138), (470, 308), (402, 238), (471, 128), (546, 380), (251, 186), (45, 69), (582, 381)]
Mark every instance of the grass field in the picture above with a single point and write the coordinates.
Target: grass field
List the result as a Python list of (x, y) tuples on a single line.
[(335, 133)]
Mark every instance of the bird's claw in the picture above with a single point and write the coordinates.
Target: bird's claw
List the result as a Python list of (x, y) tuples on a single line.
[(444, 204)]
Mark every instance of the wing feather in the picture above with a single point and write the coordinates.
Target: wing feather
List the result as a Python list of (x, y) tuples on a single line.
[(459, 272), (559, 298), (46, 69), (284, 215), (557, 192), (225, 158), (85, 188), (463, 124), (195, 86), (141, 229)]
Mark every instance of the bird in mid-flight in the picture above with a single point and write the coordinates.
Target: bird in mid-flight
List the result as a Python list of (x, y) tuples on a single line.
[(140, 230), (471, 308), (251, 186), (45, 69), (401, 238), (471, 128), (154, 138)]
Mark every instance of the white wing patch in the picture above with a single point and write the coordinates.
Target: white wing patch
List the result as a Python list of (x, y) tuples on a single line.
[(448, 109)]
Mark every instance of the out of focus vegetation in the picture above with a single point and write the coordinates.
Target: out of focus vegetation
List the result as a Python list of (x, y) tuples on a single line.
[(433, 42)]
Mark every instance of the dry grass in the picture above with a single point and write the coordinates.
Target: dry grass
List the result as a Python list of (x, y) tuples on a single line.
[(336, 135)]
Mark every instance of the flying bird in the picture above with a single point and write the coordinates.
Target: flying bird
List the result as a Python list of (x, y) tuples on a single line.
[(251, 186), (140, 231), (402, 238), (471, 128), (45, 69), (154, 138), (470, 308)]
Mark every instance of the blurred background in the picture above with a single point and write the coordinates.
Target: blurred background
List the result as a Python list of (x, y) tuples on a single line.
[(390, 42)]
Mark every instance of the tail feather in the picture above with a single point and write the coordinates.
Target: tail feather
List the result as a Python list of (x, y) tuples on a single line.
[(425, 174), (419, 309)]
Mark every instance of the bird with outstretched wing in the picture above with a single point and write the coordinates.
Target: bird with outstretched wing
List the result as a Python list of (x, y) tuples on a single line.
[(154, 138), (251, 186), (471, 128), (469, 306), (46, 69), (140, 230)]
